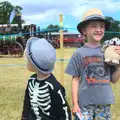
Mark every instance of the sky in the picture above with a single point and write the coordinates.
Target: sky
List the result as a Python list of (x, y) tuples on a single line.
[(46, 12)]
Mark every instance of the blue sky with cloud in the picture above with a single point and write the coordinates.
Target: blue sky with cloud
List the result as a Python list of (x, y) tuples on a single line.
[(45, 12)]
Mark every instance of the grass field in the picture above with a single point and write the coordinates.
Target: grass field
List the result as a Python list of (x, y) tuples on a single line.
[(13, 80)]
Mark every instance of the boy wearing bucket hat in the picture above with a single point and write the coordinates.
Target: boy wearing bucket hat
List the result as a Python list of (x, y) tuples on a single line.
[(91, 91), (44, 95)]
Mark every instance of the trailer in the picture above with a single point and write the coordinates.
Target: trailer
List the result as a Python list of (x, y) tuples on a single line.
[(70, 39)]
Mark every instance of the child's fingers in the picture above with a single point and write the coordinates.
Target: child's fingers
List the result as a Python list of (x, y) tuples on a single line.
[(117, 48), (117, 51), (74, 110)]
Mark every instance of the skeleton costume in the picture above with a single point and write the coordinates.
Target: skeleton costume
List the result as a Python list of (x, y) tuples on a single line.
[(44, 98)]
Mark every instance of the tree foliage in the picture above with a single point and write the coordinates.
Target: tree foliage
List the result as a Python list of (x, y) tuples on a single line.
[(53, 28), (114, 29), (6, 8)]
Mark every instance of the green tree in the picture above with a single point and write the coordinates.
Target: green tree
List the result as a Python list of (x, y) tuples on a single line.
[(17, 10), (115, 27), (53, 28), (6, 8)]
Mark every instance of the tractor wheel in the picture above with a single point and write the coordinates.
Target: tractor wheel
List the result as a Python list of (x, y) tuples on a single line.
[(15, 50)]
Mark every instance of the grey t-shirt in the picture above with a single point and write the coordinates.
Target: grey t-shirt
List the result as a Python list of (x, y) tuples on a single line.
[(94, 85)]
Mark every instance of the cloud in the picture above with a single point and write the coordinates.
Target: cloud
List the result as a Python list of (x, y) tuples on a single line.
[(40, 11), (45, 11), (106, 6), (46, 16), (40, 6)]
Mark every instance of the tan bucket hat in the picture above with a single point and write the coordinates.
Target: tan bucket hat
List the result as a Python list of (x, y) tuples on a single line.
[(90, 15)]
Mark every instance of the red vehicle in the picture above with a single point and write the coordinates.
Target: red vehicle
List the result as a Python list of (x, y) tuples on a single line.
[(69, 39)]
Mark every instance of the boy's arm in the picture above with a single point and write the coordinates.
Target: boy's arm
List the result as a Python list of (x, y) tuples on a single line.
[(26, 105), (116, 75), (62, 107), (75, 86)]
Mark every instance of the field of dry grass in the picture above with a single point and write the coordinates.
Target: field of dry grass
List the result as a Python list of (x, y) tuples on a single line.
[(13, 80)]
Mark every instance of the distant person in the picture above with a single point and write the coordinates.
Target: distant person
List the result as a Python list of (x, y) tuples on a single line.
[(91, 91), (44, 95)]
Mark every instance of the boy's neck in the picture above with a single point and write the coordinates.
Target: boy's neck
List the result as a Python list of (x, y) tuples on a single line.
[(42, 76), (94, 44)]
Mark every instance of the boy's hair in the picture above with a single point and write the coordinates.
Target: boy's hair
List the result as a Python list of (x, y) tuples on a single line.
[(92, 15)]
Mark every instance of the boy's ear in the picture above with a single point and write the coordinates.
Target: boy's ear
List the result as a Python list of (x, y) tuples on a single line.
[(30, 67), (83, 31)]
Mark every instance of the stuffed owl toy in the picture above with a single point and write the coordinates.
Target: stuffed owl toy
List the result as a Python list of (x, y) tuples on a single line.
[(111, 57)]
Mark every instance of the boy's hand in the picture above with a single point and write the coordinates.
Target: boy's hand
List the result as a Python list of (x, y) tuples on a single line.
[(76, 109), (117, 50)]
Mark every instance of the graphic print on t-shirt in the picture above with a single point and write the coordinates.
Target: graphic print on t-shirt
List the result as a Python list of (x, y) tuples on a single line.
[(94, 69)]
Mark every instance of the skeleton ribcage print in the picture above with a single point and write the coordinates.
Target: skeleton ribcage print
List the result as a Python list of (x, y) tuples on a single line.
[(40, 97)]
